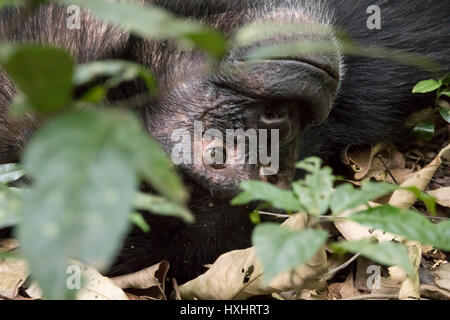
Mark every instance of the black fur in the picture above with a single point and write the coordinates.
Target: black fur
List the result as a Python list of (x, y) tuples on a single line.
[(372, 103)]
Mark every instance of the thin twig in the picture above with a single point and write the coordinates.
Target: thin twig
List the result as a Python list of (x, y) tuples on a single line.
[(281, 216), (387, 169), (331, 273), (373, 296)]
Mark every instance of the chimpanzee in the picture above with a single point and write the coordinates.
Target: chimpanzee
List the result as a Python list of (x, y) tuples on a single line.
[(321, 103)]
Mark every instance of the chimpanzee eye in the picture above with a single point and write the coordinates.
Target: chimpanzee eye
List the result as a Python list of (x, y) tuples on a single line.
[(216, 157)]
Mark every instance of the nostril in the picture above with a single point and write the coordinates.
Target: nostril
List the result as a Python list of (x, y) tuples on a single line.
[(274, 119)]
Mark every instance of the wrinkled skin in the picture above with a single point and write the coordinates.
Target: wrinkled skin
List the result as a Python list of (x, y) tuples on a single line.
[(318, 108)]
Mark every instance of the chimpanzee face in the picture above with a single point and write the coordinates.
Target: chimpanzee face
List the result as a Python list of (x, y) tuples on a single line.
[(240, 121)]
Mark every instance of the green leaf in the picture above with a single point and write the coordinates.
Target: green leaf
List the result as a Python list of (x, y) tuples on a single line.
[(429, 201), (314, 192), (10, 173), (276, 197), (281, 249), (139, 221), (153, 165), (387, 253), (117, 70), (427, 86), (346, 47), (162, 206), (44, 74), (445, 113), (150, 21), (9, 206), (424, 130), (347, 197), (406, 223), (84, 187), (10, 3)]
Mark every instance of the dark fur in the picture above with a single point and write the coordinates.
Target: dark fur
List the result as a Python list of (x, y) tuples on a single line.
[(371, 106)]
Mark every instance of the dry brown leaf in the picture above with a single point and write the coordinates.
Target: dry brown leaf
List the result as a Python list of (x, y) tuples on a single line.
[(152, 278), (433, 292), (405, 199), (366, 164), (442, 276), (442, 196), (97, 286), (410, 288), (353, 231), (13, 273), (238, 275), (348, 289)]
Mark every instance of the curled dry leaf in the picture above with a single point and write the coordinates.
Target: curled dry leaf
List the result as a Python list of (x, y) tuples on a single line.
[(151, 280), (442, 196), (410, 288), (360, 158), (238, 275), (373, 162)]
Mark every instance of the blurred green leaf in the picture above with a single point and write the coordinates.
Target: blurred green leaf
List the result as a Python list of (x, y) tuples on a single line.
[(427, 86), (424, 130), (10, 172), (346, 47), (405, 223), (281, 249), (386, 253), (94, 95), (139, 221), (153, 164), (84, 187), (117, 70), (150, 21), (161, 206), (429, 201), (445, 114), (10, 203), (347, 197), (276, 197), (9, 3), (44, 74)]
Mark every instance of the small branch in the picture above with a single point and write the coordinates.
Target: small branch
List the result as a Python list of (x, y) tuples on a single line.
[(331, 273), (281, 216), (176, 288), (387, 169), (373, 296)]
